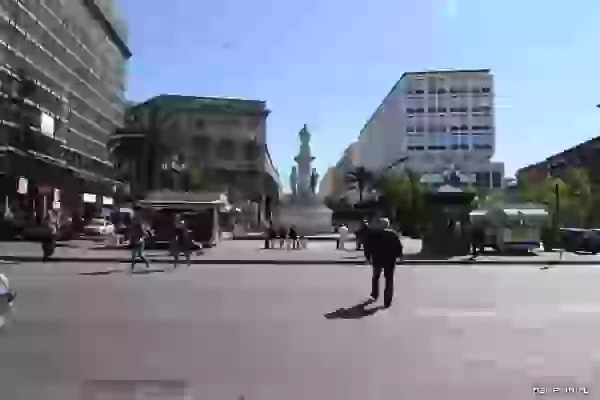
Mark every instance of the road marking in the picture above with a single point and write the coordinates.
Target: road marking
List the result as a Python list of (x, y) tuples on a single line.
[(579, 309)]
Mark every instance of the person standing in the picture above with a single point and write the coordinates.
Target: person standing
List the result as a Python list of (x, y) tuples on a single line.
[(361, 233), (383, 246), (282, 236), (477, 241), (342, 236), (181, 242), (293, 237), (139, 233)]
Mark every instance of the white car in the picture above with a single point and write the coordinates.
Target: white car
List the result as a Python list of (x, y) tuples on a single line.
[(99, 227)]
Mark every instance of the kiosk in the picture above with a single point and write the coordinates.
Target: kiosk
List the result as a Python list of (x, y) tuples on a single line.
[(200, 210)]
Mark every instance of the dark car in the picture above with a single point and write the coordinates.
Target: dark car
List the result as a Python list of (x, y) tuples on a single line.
[(576, 240)]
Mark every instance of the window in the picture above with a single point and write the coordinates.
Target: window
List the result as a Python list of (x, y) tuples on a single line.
[(410, 110), (419, 92), (485, 90), (419, 129), (431, 110), (410, 129), (496, 179), (441, 91), (441, 110), (419, 110)]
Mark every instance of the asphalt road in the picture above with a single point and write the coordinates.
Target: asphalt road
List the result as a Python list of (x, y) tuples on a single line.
[(271, 332)]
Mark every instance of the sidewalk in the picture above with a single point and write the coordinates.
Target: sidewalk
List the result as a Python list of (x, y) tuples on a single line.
[(251, 252)]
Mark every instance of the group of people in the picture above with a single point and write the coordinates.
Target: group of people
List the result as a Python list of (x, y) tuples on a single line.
[(282, 235), (139, 231), (181, 241)]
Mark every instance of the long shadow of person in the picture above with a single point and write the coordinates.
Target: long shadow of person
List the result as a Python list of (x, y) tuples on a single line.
[(355, 312)]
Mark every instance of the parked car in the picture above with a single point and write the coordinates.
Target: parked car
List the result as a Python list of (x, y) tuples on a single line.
[(98, 227), (580, 240)]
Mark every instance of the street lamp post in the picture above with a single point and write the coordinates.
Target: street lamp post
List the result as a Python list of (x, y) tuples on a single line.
[(552, 168)]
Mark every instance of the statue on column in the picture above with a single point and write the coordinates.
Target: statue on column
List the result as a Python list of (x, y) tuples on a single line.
[(303, 161), (294, 182), (314, 180)]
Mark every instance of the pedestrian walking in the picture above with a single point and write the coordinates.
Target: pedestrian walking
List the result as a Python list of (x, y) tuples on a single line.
[(181, 242), (48, 238), (139, 233), (383, 246)]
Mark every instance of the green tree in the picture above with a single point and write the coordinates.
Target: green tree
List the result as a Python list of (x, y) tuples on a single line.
[(360, 179), (568, 198), (402, 199)]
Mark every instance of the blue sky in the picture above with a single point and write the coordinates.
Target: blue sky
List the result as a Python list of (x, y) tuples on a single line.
[(329, 63)]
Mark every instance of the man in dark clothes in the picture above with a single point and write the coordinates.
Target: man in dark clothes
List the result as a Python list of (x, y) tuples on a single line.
[(181, 242), (361, 233), (383, 247), (49, 236)]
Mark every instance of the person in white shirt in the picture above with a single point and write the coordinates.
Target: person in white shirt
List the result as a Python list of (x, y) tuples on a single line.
[(343, 236)]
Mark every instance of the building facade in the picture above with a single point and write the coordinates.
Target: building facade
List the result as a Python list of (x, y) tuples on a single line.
[(436, 120), (73, 55), (219, 144), (585, 155)]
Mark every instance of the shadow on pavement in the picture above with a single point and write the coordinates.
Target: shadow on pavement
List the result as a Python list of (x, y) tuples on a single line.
[(149, 271), (426, 256), (355, 312), (100, 273), (118, 271)]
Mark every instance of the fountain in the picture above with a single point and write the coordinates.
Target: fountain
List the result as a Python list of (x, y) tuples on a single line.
[(303, 208)]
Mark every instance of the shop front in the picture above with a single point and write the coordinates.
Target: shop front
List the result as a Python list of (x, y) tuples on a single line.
[(32, 184)]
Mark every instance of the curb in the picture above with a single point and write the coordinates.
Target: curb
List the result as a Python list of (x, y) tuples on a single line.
[(35, 259), (310, 238)]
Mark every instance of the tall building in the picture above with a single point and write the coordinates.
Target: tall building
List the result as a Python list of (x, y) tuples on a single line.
[(222, 140), (434, 120), (584, 155), (72, 54)]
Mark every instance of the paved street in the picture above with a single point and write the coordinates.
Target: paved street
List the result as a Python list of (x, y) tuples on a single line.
[(251, 251), (272, 332)]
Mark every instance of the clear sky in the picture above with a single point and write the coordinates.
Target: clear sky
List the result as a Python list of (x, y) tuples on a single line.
[(329, 63)]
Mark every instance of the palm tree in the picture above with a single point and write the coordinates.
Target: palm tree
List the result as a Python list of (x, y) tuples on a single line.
[(360, 179)]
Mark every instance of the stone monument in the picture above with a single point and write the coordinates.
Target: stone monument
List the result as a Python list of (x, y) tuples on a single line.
[(303, 208)]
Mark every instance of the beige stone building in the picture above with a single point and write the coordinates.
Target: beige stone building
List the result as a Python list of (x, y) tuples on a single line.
[(221, 142)]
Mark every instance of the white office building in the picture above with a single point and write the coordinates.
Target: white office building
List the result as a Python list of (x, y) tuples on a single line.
[(435, 120)]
